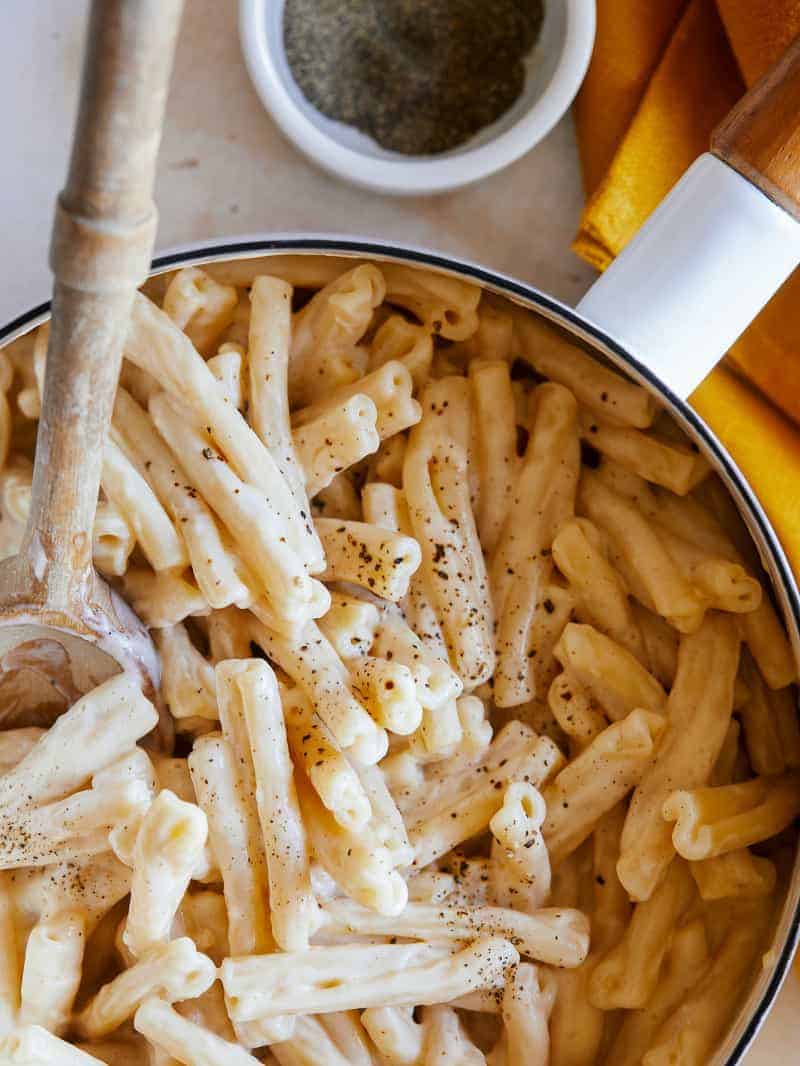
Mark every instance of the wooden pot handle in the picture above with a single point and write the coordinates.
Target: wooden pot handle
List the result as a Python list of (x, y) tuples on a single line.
[(100, 252), (760, 138)]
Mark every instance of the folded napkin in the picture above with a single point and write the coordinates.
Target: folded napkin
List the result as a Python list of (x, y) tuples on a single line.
[(765, 445), (626, 52), (670, 127), (662, 75)]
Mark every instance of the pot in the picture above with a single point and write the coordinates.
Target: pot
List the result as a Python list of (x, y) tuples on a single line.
[(664, 314)]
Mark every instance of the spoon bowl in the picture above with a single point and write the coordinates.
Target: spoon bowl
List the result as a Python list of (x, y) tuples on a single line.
[(50, 657)]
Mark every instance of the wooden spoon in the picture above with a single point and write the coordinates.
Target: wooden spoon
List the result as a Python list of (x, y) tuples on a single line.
[(62, 629)]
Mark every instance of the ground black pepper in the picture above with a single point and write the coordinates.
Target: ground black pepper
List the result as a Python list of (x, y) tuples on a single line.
[(420, 76)]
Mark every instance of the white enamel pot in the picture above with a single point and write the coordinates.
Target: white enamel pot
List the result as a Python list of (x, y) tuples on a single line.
[(664, 314)]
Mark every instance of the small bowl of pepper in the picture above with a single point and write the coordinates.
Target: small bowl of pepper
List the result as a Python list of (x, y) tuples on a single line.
[(416, 96)]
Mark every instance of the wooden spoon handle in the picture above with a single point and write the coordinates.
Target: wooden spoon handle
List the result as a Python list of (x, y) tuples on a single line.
[(100, 252), (761, 136)]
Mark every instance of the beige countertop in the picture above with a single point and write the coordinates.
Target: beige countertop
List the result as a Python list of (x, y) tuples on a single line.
[(224, 170), (220, 140)]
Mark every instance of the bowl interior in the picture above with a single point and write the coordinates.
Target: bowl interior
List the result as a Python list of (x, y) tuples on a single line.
[(236, 261), (540, 67), (766, 982)]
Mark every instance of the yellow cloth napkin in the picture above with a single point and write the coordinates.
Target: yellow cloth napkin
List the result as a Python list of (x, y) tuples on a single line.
[(759, 31), (626, 51), (765, 445), (641, 119), (669, 129)]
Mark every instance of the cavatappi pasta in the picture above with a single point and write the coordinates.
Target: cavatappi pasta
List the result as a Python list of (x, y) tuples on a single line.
[(486, 739)]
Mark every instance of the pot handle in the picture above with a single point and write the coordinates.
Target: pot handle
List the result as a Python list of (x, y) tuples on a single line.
[(717, 247)]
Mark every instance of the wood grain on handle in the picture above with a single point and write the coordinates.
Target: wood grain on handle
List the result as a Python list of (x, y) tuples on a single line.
[(761, 136), (100, 252)]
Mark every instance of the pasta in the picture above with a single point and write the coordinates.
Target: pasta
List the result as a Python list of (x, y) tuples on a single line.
[(328, 328), (187, 679), (127, 489), (657, 580), (168, 1030), (715, 821), (687, 959), (337, 978), (522, 563), (447, 306), (218, 572), (349, 1036), (471, 813), (97, 730), (767, 723), (333, 777), (204, 916), (389, 388), (611, 674), (434, 481), (436, 683), (698, 712), (387, 463), (737, 874), (359, 862), (693, 1029), (235, 844), (227, 367), (601, 596), (311, 661), (497, 445), (112, 539), (627, 976), (558, 937), (602, 391), (85, 823), (528, 1000), (486, 747), (597, 779), (268, 365), (575, 1025), (249, 688), (92, 886), (200, 306), (350, 625), (32, 1045), (519, 853), (395, 1034), (388, 691), (675, 466), (403, 341), (155, 345), (249, 516), (369, 556), (162, 601), (337, 439), (168, 846), (311, 1044), (10, 970), (446, 1037), (175, 970), (52, 972), (573, 710)]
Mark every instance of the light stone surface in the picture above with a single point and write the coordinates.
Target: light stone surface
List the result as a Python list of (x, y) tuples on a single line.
[(226, 170)]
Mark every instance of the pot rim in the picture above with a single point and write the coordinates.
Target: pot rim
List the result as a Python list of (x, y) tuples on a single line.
[(749, 1019)]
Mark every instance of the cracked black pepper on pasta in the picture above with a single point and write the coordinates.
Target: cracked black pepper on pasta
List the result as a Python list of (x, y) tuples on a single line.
[(419, 76)]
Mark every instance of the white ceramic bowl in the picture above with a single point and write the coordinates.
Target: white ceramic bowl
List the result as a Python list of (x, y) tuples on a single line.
[(555, 70)]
